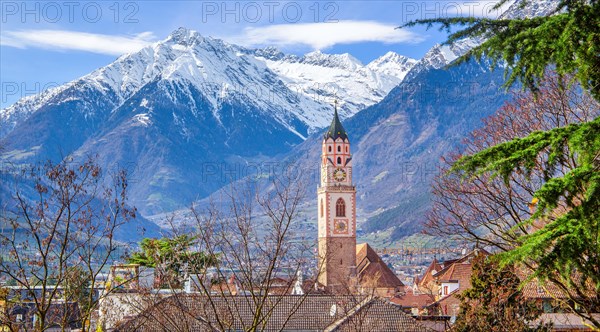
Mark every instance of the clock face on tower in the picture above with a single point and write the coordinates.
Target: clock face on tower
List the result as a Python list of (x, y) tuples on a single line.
[(340, 226), (339, 175)]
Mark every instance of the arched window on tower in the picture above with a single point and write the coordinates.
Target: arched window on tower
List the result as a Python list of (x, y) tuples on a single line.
[(346, 149), (340, 208), (339, 160), (339, 148), (322, 208), (330, 148)]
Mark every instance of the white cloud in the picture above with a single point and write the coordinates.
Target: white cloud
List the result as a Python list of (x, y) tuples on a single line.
[(80, 41), (323, 35)]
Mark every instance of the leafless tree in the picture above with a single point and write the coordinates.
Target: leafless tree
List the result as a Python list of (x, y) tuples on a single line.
[(261, 256), (260, 251), (58, 236)]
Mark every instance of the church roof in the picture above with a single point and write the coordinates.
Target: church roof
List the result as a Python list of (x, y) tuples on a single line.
[(336, 129), (369, 265)]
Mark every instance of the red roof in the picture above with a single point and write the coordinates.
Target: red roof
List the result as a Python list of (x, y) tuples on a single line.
[(370, 265), (433, 268), (408, 299), (457, 272)]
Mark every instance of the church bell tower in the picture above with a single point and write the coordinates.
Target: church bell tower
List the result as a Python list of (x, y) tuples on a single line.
[(336, 210)]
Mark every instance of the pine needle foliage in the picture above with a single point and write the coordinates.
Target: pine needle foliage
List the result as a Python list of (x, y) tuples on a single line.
[(568, 39), (568, 206), (172, 255)]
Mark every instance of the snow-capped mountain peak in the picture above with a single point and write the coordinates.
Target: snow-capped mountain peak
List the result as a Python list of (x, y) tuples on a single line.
[(342, 61), (389, 58), (185, 37), (338, 76), (441, 55), (392, 64)]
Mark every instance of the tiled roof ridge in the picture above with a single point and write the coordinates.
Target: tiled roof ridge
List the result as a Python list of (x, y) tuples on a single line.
[(445, 271), (349, 314)]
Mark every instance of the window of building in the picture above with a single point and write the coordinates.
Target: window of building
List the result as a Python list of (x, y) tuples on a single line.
[(339, 148), (339, 160), (340, 208), (346, 149), (445, 290), (322, 208), (330, 148)]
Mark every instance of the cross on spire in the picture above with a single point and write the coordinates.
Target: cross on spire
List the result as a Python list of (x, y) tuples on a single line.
[(336, 129)]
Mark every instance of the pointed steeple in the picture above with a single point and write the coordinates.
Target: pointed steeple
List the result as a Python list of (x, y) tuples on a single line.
[(336, 129)]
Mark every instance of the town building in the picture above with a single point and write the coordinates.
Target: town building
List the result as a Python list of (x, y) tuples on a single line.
[(434, 293)]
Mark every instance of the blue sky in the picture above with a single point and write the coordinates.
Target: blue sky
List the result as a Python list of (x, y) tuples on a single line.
[(47, 43)]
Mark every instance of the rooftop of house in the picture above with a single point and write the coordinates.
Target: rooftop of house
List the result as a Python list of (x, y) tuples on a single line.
[(59, 315), (409, 299), (427, 277), (456, 273), (565, 321), (288, 313)]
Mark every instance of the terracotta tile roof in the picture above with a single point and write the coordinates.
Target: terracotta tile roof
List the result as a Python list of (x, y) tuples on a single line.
[(449, 261), (433, 268), (370, 266), (466, 259), (459, 272), (380, 315), (192, 312), (534, 289), (408, 299), (564, 321), (200, 313)]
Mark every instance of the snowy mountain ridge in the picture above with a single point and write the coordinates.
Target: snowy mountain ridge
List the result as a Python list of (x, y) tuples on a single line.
[(328, 76), (291, 87)]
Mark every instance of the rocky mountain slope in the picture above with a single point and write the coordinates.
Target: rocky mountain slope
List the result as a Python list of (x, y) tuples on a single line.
[(188, 114)]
